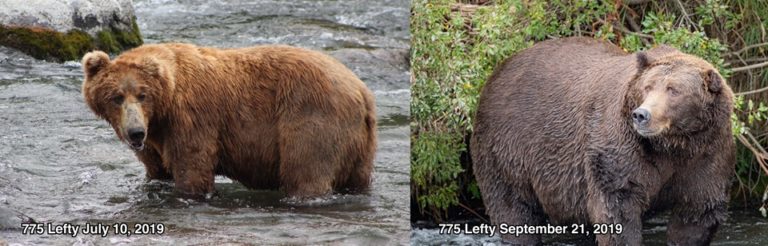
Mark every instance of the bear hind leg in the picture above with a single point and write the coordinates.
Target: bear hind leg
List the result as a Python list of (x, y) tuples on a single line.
[(360, 177), (308, 163), (362, 152), (302, 179)]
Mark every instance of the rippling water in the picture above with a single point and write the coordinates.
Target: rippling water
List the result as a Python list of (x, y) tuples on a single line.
[(60, 164)]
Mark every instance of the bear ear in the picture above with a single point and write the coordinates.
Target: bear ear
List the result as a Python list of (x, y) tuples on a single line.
[(714, 81), (151, 66), (655, 54), (642, 60), (154, 67), (93, 62)]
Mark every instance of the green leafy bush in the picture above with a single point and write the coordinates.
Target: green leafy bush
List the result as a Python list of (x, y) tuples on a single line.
[(452, 55)]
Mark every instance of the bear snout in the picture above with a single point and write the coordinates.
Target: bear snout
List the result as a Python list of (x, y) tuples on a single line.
[(136, 135), (133, 127), (641, 116)]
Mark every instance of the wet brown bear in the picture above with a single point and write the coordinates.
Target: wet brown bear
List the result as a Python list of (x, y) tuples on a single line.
[(269, 117), (578, 131)]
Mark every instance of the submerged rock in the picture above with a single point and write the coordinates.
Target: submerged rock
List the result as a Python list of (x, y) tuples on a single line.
[(61, 30)]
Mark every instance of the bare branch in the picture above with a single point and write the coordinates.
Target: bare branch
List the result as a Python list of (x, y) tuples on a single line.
[(742, 50), (753, 66), (625, 30), (473, 212), (751, 92), (757, 144), (748, 60), (685, 14), (635, 27), (760, 157), (636, 2)]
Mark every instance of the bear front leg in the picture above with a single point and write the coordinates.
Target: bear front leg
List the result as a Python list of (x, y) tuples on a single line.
[(700, 208), (696, 218), (616, 208), (153, 164), (507, 200), (616, 197), (193, 168), (516, 209), (701, 196), (691, 233)]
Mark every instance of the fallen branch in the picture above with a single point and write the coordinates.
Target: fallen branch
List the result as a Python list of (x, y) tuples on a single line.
[(757, 144), (759, 156), (473, 212)]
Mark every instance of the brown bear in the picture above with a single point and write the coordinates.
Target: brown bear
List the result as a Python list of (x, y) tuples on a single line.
[(267, 116), (577, 131)]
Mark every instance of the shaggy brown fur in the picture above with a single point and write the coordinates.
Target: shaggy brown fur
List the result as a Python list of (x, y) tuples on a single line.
[(555, 137), (268, 117)]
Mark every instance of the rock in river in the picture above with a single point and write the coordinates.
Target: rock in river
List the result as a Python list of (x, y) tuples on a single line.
[(62, 30)]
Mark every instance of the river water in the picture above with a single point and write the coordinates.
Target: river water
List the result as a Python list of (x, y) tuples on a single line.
[(60, 164), (743, 227)]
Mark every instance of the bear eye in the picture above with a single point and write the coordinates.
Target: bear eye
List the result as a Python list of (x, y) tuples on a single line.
[(141, 97), (672, 91), (118, 99), (648, 88)]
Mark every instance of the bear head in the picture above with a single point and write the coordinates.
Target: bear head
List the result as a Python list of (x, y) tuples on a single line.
[(677, 95), (128, 92)]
